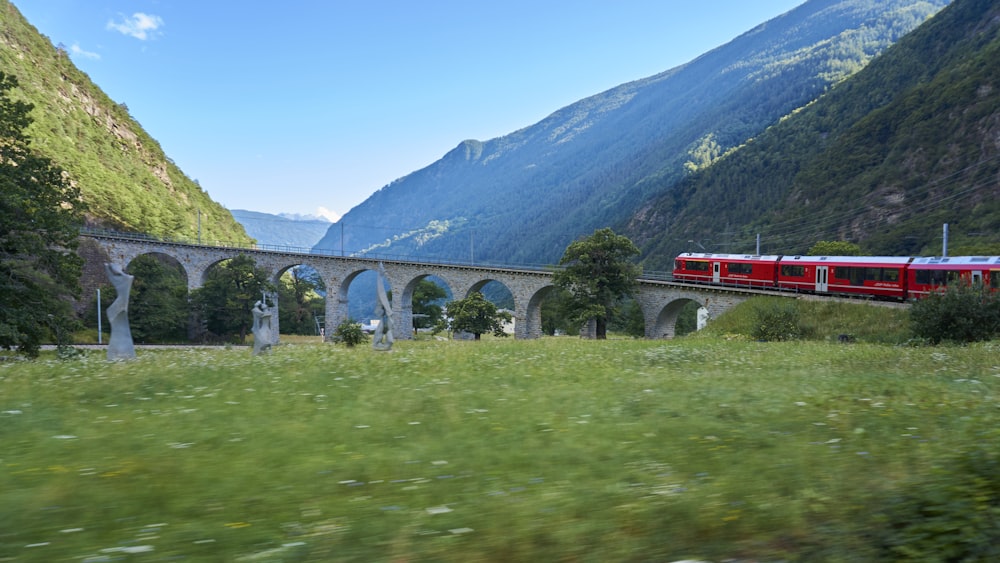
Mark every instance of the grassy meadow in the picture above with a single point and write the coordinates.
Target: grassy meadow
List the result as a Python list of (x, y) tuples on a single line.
[(558, 449)]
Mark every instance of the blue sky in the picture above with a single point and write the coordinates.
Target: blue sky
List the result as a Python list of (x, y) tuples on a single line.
[(310, 106)]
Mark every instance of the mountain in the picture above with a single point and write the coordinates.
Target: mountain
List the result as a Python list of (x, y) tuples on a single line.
[(123, 174), (883, 159), (284, 230), (523, 197)]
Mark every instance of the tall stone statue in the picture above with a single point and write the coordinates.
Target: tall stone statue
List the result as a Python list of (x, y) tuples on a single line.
[(263, 332), (382, 339), (702, 319), (120, 346)]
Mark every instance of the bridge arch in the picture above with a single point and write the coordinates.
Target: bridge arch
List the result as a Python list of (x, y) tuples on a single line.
[(406, 297)]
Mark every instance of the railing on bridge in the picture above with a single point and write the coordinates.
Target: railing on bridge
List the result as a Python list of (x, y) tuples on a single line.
[(141, 237)]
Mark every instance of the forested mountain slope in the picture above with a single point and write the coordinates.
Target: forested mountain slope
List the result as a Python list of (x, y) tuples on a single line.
[(884, 159), (523, 197), (277, 230), (122, 172)]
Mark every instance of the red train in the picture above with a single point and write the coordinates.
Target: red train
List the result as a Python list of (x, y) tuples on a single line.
[(882, 277)]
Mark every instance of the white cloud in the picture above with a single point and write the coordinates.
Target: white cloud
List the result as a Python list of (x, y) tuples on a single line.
[(139, 25), (77, 50), (327, 214)]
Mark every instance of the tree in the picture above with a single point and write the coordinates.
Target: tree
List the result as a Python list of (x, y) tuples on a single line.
[(299, 301), (40, 217), (835, 248), (597, 273), (230, 291), (426, 298), (476, 315), (158, 307), (557, 313)]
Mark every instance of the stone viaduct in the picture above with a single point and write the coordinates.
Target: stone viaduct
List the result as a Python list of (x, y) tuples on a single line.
[(660, 300)]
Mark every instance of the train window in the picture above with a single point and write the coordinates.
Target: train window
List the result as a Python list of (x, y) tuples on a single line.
[(793, 271), (995, 279), (740, 268), (890, 274), (936, 277), (855, 276), (697, 265)]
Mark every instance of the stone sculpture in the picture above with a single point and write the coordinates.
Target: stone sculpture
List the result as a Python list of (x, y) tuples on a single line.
[(263, 334), (120, 345), (382, 338), (702, 318)]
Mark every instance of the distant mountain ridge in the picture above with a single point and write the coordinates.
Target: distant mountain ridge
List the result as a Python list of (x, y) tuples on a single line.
[(296, 231), (523, 197)]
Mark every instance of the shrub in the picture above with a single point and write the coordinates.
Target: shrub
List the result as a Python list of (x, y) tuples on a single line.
[(777, 320), (962, 313), (349, 333)]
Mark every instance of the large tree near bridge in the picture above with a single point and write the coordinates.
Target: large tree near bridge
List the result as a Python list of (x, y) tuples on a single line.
[(224, 303), (598, 272), (40, 216)]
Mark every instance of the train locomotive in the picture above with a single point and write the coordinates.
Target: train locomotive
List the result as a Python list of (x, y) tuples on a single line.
[(877, 277)]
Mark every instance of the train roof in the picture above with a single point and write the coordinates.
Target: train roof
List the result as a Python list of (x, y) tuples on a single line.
[(730, 257), (848, 260), (945, 262)]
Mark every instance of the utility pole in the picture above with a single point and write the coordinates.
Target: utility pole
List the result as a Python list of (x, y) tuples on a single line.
[(199, 226), (99, 336), (758, 244), (944, 245)]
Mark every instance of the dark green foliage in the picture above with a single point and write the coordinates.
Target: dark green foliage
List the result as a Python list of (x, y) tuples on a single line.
[(158, 303), (834, 248), (427, 299), (476, 315), (687, 319), (952, 515), (961, 313), (223, 304), (777, 321), (299, 302), (40, 216), (558, 315), (598, 272), (122, 173), (627, 319), (349, 334)]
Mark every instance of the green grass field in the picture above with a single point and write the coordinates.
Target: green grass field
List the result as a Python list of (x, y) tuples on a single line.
[(558, 449)]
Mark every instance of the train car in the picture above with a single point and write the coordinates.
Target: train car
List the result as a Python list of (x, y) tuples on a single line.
[(926, 275), (742, 270), (881, 277)]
